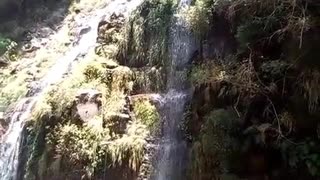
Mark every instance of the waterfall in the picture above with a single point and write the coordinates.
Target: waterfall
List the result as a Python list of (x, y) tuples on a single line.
[(173, 151), (10, 142)]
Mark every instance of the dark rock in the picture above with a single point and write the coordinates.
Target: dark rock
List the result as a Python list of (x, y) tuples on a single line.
[(117, 122), (9, 8), (77, 11), (3, 62), (28, 48), (108, 26), (110, 65)]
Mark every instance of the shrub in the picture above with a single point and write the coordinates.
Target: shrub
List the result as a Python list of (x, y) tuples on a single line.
[(129, 147), (4, 43), (206, 73), (214, 144), (80, 145), (146, 113), (198, 17), (8, 48)]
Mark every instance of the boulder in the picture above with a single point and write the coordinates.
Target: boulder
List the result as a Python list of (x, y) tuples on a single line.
[(117, 122), (88, 103), (109, 64), (109, 26)]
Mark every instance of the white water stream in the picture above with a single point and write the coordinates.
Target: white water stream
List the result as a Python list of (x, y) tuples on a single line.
[(10, 142), (172, 159)]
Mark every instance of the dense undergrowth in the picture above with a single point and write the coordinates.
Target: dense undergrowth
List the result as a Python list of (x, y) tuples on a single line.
[(269, 81)]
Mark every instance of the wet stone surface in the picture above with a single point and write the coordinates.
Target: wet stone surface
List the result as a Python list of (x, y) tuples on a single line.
[(88, 103)]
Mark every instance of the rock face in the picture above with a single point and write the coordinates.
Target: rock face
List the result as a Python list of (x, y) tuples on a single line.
[(9, 8), (147, 166), (3, 62), (12, 8), (2, 124), (108, 28), (88, 104)]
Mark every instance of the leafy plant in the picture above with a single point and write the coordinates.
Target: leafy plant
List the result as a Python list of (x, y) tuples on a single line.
[(4, 44), (207, 72), (8, 48), (198, 17), (130, 147), (80, 145), (146, 113)]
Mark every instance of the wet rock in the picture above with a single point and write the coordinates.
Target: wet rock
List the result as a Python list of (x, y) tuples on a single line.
[(88, 103), (110, 64), (117, 122), (9, 8), (3, 124), (3, 62), (108, 27), (28, 48), (2, 117), (33, 88), (147, 166), (120, 117), (153, 98), (2, 131)]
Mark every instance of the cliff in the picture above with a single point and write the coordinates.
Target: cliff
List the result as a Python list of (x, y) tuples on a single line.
[(254, 77)]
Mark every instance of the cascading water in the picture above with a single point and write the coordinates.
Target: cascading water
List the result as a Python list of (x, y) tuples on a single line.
[(173, 151), (10, 142)]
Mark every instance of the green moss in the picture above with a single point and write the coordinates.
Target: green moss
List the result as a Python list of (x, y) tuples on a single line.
[(146, 113)]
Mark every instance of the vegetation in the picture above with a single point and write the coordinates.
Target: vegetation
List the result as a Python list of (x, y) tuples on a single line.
[(270, 82), (147, 34), (146, 40), (63, 145), (254, 113), (214, 145), (147, 114), (94, 146), (198, 17)]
